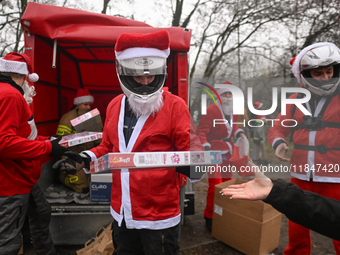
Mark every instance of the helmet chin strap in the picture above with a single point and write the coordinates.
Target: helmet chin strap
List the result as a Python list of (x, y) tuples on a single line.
[(144, 88), (322, 84), (320, 88), (141, 100), (319, 91)]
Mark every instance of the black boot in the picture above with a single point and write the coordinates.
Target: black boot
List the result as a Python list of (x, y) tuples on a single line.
[(208, 223)]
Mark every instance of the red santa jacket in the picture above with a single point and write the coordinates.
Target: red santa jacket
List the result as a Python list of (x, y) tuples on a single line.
[(211, 135), (146, 198), (306, 159), (19, 164)]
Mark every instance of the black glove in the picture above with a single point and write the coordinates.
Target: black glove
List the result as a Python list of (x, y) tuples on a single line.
[(57, 150), (185, 170), (207, 148), (55, 137), (73, 162)]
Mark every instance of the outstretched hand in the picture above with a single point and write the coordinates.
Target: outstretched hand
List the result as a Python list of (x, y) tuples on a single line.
[(281, 151), (257, 189)]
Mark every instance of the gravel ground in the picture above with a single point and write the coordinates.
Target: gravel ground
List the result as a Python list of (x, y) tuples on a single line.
[(196, 239)]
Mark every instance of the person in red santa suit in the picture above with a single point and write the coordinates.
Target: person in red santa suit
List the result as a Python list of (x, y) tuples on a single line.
[(144, 203), (39, 210), (218, 137), (316, 151), (20, 150), (82, 104)]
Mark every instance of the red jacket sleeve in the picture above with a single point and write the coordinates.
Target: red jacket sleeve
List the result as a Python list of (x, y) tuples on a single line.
[(183, 130), (195, 143), (204, 127), (14, 110), (106, 145), (236, 130), (277, 130)]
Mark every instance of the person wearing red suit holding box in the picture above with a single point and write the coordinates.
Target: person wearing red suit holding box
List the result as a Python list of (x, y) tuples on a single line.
[(316, 148), (20, 151), (144, 203), (218, 137)]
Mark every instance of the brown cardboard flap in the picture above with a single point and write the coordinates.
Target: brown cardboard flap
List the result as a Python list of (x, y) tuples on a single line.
[(245, 234), (252, 227), (256, 210)]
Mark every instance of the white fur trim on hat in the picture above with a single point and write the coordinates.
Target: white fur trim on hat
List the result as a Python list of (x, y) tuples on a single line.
[(33, 77), (138, 52), (220, 91), (83, 99), (296, 64), (259, 106), (9, 66)]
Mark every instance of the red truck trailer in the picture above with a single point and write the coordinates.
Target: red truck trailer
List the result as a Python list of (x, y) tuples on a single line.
[(73, 49)]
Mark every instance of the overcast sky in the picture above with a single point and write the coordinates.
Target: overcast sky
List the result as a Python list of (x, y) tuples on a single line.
[(142, 10)]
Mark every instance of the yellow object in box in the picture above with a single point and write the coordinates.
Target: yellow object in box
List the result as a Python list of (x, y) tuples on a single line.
[(252, 227)]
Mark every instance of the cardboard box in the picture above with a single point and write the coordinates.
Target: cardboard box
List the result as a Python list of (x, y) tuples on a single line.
[(100, 190), (116, 161), (252, 227), (90, 121), (80, 138)]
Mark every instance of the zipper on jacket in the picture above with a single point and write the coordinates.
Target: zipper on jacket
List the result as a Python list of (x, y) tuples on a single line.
[(163, 244), (19, 216)]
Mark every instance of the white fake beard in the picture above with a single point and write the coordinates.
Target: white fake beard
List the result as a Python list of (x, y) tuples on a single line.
[(29, 92), (227, 105), (148, 107)]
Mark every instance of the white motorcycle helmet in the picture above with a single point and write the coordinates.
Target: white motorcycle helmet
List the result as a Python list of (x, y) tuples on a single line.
[(142, 55), (316, 56), (140, 66)]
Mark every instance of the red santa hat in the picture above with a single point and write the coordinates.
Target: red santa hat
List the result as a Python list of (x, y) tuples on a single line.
[(18, 63), (220, 91), (257, 105), (143, 45), (83, 96)]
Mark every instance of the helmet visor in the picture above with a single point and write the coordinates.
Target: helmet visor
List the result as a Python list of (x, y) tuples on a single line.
[(320, 57), (141, 66)]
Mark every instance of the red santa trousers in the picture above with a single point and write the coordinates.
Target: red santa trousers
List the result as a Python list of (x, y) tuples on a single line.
[(299, 237), (213, 179)]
